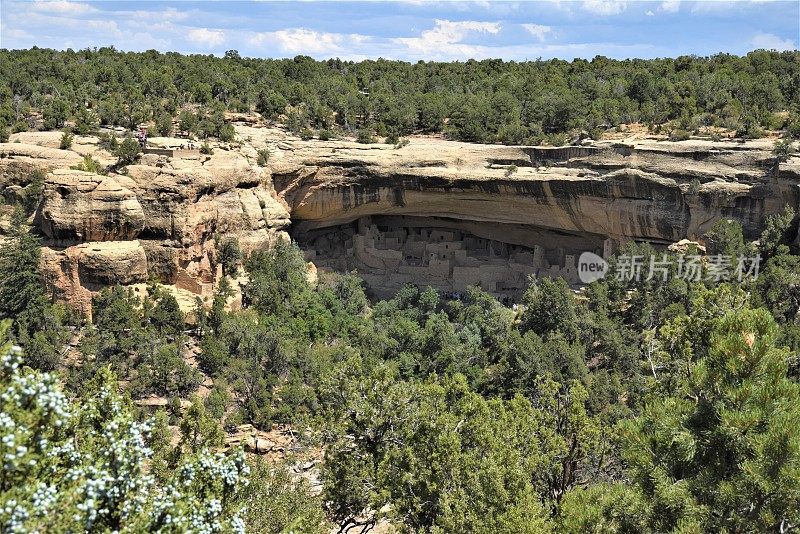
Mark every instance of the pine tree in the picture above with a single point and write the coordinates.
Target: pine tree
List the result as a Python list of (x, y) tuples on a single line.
[(723, 452), (22, 296)]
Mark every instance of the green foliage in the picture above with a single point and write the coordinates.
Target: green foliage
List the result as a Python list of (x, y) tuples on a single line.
[(32, 193), (164, 124), (284, 504), (140, 339), (721, 452), (85, 121), (549, 308), (263, 157), (679, 135), (107, 141), (365, 136), (89, 164), (205, 148), (81, 465), (780, 231), (127, 152), (325, 135), (306, 134), (4, 134), (782, 149), (21, 294), (725, 238), (271, 104), (529, 102), (188, 121), (227, 133), (55, 113), (66, 141), (229, 254)]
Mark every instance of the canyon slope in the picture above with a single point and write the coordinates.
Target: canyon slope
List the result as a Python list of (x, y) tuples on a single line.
[(160, 219)]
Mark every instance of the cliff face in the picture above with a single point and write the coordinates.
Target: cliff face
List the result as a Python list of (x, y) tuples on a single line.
[(646, 190), (159, 219)]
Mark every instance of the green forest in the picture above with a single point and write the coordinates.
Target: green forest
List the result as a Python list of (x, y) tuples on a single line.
[(535, 102)]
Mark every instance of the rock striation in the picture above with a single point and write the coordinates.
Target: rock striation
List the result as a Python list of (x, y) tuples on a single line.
[(546, 204), (159, 219), (659, 191)]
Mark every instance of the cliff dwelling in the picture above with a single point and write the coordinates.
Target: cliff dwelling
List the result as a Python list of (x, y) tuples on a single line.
[(447, 254)]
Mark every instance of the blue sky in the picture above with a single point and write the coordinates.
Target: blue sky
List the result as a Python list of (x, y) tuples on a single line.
[(408, 30)]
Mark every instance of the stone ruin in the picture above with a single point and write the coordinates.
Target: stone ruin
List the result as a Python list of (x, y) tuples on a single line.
[(391, 251)]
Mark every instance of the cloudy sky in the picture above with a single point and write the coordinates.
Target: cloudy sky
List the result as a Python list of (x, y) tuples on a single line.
[(408, 30)]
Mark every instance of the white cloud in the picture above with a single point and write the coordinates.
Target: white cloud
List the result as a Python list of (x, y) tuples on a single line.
[(771, 41), (670, 6), (63, 7), (444, 40), (168, 14), (537, 30), (649, 13), (305, 41), (605, 7), (206, 37)]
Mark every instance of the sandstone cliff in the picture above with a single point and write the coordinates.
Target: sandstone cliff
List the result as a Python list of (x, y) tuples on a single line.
[(659, 191), (159, 219)]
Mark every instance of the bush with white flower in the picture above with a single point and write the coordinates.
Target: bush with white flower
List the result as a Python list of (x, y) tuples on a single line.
[(72, 465)]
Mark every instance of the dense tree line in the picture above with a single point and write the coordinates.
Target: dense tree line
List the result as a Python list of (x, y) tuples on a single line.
[(481, 101)]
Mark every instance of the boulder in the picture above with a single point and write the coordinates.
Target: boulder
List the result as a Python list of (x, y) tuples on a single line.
[(82, 206)]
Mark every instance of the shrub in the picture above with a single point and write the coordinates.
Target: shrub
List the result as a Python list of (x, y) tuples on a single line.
[(4, 134), (164, 124), (365, 136), (325, 135), (20, 126), (227, 132), (782, 149), (263, 157), (89, 164), (749, 129), (679, 135), (107, 141), (66, 141), (188, 121), (205, 148), (306, 134), (229, 255), (392, 138), (403, 142), (85, 122), (793, 126), (127, 151), (511, 170)]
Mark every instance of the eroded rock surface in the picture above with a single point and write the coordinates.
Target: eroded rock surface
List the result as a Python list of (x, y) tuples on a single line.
[(660, 191), (547, 204), (159, 219)]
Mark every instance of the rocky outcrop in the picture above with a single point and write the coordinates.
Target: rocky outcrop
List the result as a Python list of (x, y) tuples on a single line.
[(81, 206), (74, 273), (19, 160), (650, 190), (155, 221), (159, 219)]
